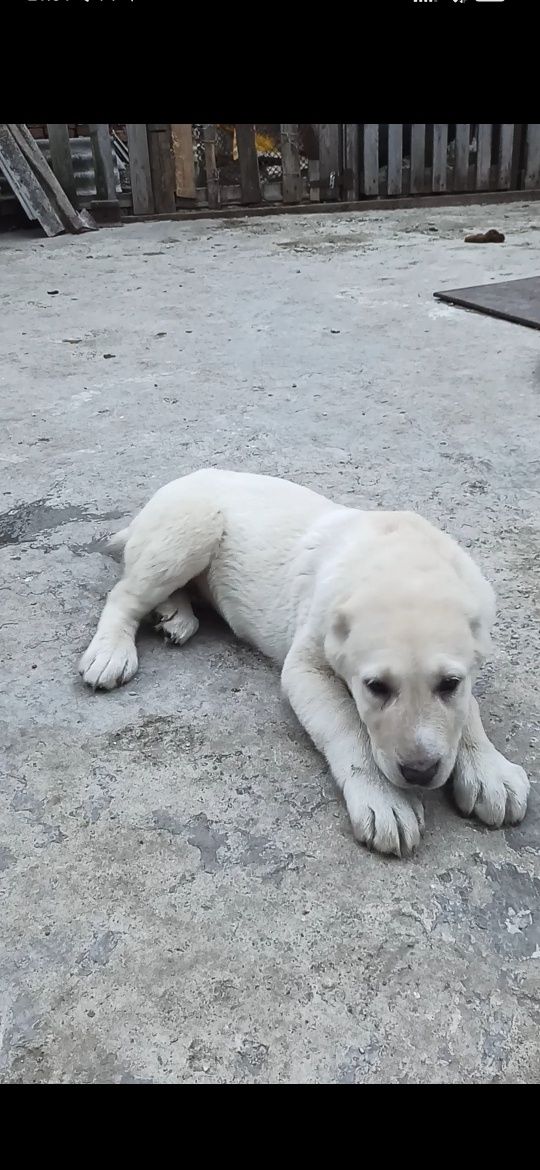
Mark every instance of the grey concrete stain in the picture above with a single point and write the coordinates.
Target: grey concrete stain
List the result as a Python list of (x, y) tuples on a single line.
[(26, 521), (526, 837), (168, 822), (356, 1063), (151, 736), (7, 858), (252, 1056), (208, 840), (263, 856), (37, 812), (182, 899), (99, 952)]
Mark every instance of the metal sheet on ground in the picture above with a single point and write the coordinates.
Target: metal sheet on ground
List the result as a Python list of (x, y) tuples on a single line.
[(513, 300)]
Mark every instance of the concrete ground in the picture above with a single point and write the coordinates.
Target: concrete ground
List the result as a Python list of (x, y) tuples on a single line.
[(181, 896)]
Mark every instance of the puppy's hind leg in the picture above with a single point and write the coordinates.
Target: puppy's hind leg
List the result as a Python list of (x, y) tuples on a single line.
[(162, 553), (176, 619)]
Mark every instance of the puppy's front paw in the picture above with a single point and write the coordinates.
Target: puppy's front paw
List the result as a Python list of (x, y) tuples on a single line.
[(384, 819), (106, 665), (490, 787)]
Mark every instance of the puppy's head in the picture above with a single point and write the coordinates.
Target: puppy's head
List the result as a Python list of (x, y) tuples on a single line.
[(409, 661)]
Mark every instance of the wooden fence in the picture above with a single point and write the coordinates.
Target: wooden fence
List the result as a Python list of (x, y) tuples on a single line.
[(293, 164), (166, 167)]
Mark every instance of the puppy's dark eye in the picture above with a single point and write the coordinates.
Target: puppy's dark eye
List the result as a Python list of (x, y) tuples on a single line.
[(447, 686), (378, 688)]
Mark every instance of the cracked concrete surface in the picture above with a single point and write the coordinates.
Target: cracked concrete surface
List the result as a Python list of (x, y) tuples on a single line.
[(182, 900)]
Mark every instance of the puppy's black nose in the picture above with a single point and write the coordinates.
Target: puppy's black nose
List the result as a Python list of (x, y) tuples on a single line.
[(420, 774)]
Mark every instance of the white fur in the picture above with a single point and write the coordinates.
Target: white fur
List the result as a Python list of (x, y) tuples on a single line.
[(340, 599)]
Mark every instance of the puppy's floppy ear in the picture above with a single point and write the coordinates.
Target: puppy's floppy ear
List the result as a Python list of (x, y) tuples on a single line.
[(341, 626), (334, 642), (481, 620), (482, 639)]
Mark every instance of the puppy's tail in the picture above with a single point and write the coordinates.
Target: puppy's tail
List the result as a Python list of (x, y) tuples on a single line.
[(117, 543)]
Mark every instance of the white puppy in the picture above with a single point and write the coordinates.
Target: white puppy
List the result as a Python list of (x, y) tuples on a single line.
[(379, 620)]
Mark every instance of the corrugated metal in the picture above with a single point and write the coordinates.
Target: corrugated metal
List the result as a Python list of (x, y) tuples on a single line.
[(83, 168)]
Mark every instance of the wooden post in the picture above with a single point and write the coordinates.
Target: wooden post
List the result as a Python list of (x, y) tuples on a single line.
[(351, 161), (314, 174), (483, 157), (139, 169), (371, 159), (395, 158), (506, 150), (61, 160), (440, 156), (103, 161), (162, 166), (461, 163), (184, 165), (518, 156), (290, 163), (330, 160), (418, 158), (212, 174), (532, 157), (249, 164)]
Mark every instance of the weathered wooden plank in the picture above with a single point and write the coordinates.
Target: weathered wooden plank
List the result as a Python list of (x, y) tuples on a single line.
[(46, 177), (329, 161), (440, 157), (212, 173), (395, 158), (290, 163), (461, 165), (351, 160), (314, 180), (483, 156), (418, 158), (162, 166), (184, 163), (61, 160), (371, 159), (532, 157), (25, 184), (506, 150), (139, 169), (103, 160), (249, 164), (518, 156)]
